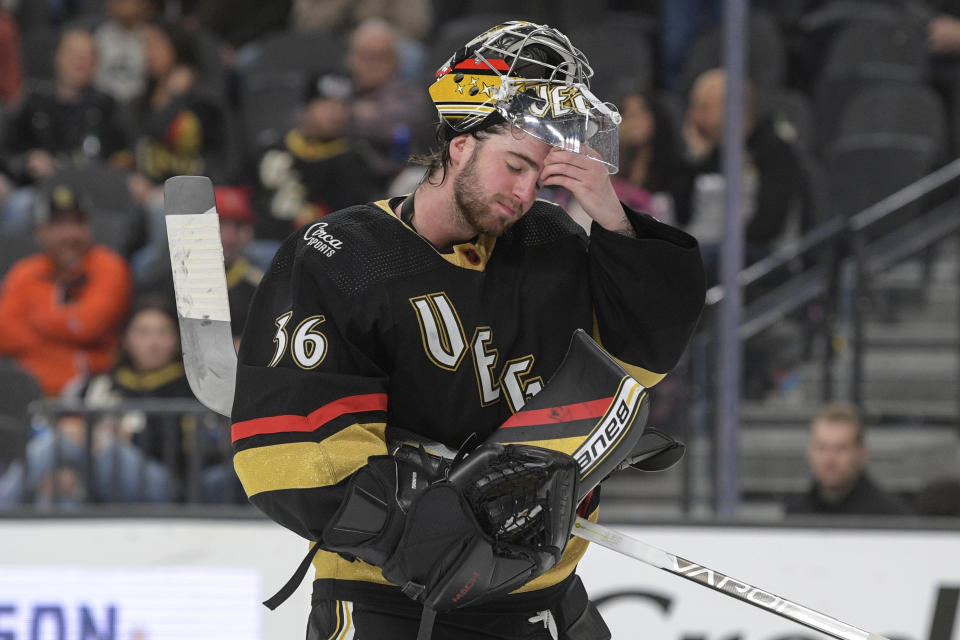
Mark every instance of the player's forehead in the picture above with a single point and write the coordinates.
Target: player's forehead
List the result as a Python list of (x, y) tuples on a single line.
[(514, 143)]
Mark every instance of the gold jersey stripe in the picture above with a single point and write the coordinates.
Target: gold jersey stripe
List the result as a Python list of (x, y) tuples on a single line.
[(645, 377), (331, 565), (309, 465)]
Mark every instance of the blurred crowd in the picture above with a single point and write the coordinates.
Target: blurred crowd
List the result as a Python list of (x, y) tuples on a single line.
[(297, 108)]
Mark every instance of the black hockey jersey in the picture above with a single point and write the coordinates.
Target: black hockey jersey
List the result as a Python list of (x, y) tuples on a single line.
[(361, 326)]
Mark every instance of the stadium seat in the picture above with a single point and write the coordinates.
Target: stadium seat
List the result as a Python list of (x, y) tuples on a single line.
[(865, 168), (860, 55), (766, 54), (456, 33), (792, 113), (14, 246), (272, 75), (888, 136), (619, 51), (37, 46), (17, 390)]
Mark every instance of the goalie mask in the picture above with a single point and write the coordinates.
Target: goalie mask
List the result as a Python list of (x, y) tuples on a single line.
[(532, 77)]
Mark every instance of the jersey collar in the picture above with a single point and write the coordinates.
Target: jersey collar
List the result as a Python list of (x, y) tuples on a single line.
[(472, 255)]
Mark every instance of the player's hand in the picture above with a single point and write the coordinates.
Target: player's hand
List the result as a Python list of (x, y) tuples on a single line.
[(589, 183)]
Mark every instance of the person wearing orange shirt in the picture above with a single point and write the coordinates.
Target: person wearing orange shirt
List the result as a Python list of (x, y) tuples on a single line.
[(61, 310)]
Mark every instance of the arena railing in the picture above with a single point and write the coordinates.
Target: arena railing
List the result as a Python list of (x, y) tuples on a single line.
[(833, 263), (158, 451)]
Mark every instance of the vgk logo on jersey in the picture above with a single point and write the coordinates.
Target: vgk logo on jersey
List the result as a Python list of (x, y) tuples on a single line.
[(445, 344)]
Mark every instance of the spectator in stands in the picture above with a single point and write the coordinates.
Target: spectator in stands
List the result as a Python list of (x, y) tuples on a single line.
[(943, 29), (652, 169), (316, 168), (236, 234), (412, 20), (55, 462), (68, 122), (388, 113), (61, 310), (773, 179), (181, 127), (122, 66), (837, 454), (150, 366), (651, 157), (11, 65)]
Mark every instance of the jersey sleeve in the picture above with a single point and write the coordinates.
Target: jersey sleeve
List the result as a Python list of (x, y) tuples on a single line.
[(648, 294), (310, 406)]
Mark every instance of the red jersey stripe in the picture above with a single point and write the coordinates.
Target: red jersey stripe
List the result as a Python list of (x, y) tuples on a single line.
[(563, 413), (312, 421)]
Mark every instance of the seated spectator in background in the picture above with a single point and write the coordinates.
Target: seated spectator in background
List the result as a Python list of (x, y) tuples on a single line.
[(68, 122), (837, 454), (61, 310), (652, 169), (181, 128), (122, 65), (651, 157), (773, 180), (412, 20), (150, 366), (11, 65), (315, 169), (385, 111), (236, 234)]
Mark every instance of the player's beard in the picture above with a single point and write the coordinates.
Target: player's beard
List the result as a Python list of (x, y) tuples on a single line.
[(474, 208)]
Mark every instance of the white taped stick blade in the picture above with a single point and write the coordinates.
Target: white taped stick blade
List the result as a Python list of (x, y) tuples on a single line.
[(200, 283), (196, 258)]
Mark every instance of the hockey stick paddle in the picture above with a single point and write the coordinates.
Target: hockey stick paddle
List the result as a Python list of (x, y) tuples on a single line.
[(200, 283), (639, 550)]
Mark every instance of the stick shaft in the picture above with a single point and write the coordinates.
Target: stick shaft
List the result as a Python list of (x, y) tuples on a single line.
[(732, 587)]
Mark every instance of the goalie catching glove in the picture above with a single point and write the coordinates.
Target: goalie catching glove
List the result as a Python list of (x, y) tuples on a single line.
[(499, 519)]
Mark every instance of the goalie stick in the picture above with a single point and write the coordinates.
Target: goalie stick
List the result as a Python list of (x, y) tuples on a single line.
[(639, 550), (211, 362)]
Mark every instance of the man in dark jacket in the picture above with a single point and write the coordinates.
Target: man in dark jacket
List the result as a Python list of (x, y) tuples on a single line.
[(837, 455)]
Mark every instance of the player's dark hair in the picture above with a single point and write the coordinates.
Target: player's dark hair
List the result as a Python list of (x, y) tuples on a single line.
[(438, 158)]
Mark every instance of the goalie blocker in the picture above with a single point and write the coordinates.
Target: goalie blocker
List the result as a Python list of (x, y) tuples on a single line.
[(454, 534)]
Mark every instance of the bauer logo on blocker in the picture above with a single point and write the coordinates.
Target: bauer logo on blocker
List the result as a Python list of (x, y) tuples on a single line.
[(317, 237)]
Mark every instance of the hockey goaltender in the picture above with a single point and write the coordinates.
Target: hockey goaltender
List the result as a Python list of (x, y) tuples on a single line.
[(404, 331)]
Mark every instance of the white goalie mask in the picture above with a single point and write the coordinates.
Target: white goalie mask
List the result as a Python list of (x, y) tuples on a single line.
[(530, 76)]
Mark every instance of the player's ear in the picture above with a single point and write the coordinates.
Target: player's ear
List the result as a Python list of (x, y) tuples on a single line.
[(460, 148)]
